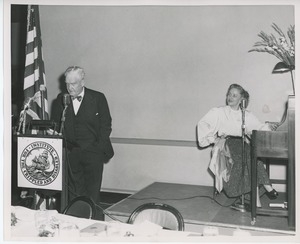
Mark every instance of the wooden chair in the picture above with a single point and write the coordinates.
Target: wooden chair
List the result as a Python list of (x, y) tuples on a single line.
[(82, 207), (161, 214)]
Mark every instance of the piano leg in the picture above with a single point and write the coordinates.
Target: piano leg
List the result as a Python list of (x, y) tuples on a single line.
[(291, 176), (253, 180)]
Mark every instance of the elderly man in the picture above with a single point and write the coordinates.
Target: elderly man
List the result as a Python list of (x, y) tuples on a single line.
[(86, 130)]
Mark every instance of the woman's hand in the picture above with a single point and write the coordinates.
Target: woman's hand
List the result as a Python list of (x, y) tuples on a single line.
[(223, 136), (273, 125)]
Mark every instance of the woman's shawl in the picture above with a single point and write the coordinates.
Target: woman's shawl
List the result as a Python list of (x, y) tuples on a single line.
[(221, 163)]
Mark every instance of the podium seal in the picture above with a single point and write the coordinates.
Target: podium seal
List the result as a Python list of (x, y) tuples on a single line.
[(40, 163)]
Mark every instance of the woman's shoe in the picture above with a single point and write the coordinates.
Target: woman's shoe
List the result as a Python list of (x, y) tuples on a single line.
[(272, 194)]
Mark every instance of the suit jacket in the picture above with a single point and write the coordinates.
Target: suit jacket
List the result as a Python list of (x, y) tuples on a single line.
[(95, 111)]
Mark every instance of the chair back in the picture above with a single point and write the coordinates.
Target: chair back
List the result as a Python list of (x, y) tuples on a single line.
[(82, 207), (161, 214)]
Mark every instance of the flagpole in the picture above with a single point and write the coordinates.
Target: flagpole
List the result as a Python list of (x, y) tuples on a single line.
[(42, 89), (34, 75)]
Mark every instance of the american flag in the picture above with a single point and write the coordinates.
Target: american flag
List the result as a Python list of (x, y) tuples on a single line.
[(35, 93)]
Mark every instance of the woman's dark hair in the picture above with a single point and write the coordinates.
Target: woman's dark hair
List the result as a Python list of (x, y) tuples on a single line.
[(243, 92)]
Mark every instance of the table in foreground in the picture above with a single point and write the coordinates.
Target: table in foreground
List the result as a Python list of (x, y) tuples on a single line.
[(35, 224), (200, 210)]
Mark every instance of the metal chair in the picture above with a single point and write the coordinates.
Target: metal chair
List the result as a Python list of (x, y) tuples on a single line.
[(161, 214), (82, 207)]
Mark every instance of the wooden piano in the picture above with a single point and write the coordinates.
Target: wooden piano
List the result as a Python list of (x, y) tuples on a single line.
[(276, 144)]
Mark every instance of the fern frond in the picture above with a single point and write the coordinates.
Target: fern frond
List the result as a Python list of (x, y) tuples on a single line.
[(264, 50), (277, 29), (282, 48), (257, 44), (291, 35)]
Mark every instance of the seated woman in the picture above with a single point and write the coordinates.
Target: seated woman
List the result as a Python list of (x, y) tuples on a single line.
[(222, 126)]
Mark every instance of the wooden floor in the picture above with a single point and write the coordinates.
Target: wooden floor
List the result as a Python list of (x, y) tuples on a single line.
[(200, 209)]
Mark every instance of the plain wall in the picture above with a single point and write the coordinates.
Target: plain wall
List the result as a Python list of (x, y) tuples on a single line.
[(162, 68)]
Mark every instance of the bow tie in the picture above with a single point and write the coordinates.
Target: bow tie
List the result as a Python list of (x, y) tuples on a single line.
[(79, 98)]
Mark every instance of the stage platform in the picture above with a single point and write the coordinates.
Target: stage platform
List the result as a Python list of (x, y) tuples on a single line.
[(200, 210)]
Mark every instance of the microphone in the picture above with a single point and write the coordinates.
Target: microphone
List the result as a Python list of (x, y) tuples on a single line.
[(243, 103), (66, 102), (66, 99)]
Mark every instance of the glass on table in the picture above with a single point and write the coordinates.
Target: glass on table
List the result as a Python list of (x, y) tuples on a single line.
[(113, 229), (68, 230), (41, 217), (45, 223)]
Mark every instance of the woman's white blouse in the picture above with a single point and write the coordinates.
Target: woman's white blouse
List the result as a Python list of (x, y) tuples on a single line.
[(224, 121)]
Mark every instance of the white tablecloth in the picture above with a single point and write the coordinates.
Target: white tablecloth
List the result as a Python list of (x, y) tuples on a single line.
[(70, 228)]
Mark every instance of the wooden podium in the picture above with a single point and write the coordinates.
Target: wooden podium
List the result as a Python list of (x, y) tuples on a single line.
[(41, 165)]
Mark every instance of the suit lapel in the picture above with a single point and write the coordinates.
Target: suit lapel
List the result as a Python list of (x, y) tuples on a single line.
[(88, 109), (87, 103), (69, 122)]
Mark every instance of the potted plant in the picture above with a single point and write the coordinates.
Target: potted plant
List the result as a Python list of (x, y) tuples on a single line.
[(281, 47)]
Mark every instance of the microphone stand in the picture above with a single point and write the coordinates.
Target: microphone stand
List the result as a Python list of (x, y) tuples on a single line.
[(63, 118), (43, 105), (66, 102), (66, 169), (241, 205)]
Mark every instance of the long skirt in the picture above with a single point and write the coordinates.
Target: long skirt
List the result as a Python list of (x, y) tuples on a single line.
[(240, 178)]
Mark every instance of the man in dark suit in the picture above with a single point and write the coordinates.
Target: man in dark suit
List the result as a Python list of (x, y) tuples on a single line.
[(86, 130)]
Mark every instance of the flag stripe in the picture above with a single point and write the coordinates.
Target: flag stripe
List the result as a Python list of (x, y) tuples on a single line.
[(31, 34), (32, 56), (34, 75)]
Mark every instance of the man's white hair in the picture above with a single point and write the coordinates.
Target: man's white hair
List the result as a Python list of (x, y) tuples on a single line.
[(77, 69)]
